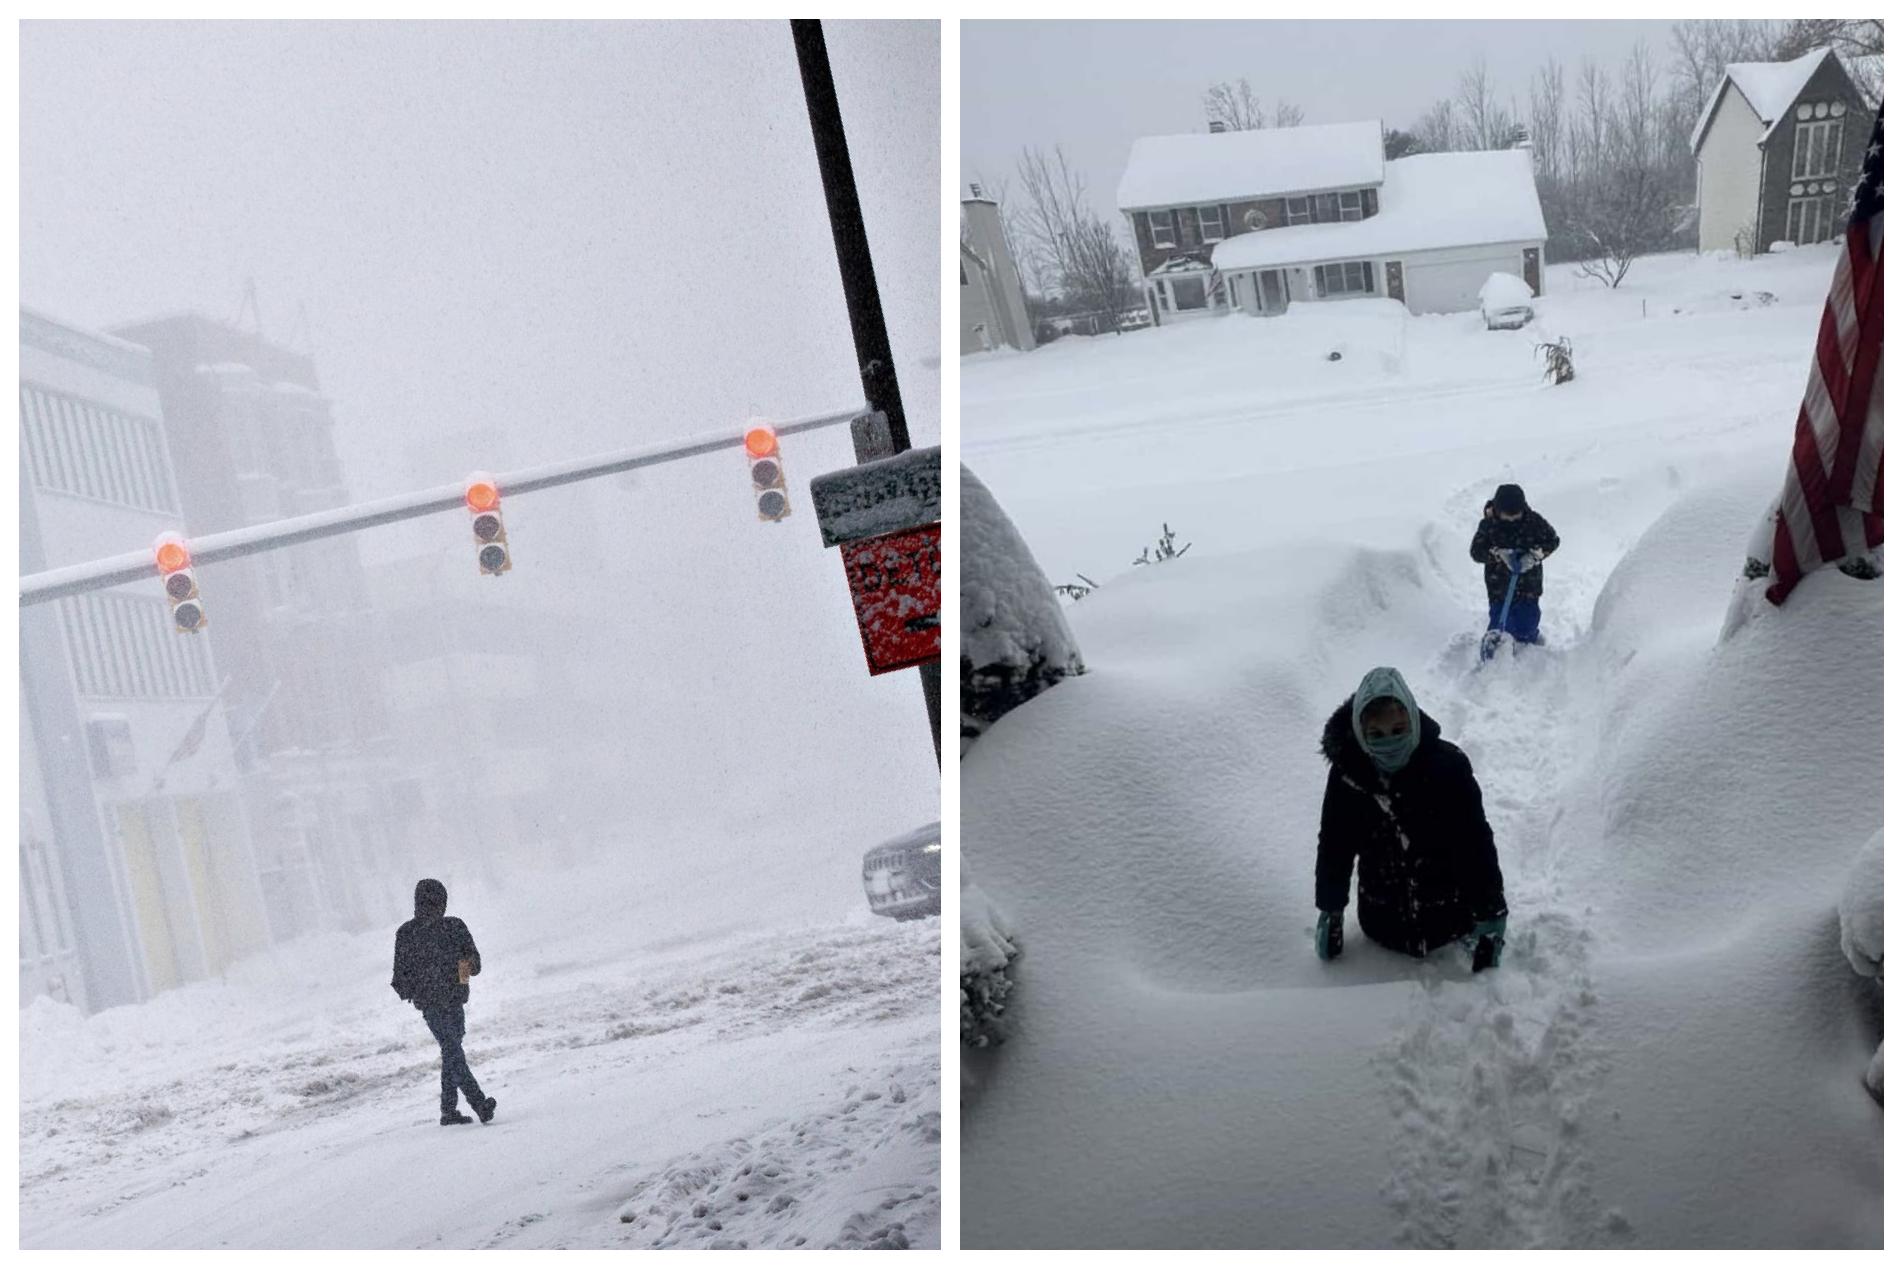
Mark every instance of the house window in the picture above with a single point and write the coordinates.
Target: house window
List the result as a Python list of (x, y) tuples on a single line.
[(1298, 211), (1351, 205), (1190, 292), (1818, 146), (1162, 229), (1809, 220), (1353, 278), (1210, 221), (1328, 207)]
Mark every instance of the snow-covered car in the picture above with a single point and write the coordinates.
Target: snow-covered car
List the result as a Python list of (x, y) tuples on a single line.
[(901, 875), (1506, 302)]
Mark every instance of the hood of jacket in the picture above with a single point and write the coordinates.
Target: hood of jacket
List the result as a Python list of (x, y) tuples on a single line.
[(432, 898), (1342, 748)]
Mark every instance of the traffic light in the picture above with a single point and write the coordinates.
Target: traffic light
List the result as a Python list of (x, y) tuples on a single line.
[(484, 501), (769, 476), (174, 560)]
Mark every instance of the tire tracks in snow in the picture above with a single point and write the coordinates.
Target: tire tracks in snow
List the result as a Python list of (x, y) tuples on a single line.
[(1489, 1079)]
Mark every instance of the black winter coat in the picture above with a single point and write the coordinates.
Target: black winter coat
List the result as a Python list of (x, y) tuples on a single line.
[(1530, 530), (427, 949), (1428, 867)]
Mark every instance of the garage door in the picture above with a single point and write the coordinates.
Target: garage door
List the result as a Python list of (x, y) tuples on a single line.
[(1452, 284)]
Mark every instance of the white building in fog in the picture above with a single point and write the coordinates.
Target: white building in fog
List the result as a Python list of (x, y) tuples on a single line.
[(136, 864)]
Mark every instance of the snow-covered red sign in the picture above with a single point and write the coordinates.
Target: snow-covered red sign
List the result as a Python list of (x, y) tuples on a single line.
[(894, 584)]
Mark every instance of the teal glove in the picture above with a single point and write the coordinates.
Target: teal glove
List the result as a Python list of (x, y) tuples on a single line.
[(1328, 935), (1489, 942)]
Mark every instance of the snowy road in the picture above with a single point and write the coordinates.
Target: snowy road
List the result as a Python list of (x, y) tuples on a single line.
[(1671, 1054), (776, 1089)]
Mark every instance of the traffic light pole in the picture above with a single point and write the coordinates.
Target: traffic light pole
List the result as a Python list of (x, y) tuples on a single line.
[(867, 314), (134, 566)]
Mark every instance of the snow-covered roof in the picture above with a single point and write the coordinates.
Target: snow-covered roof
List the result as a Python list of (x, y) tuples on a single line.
[(1769, 88), (1429, 201), (1214, 167)]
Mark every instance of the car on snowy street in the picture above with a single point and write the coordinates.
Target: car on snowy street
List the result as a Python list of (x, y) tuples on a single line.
[(901, 875)]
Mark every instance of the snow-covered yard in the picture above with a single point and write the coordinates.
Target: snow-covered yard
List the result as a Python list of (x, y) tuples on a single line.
[(675, 1067), (1673, 1054)]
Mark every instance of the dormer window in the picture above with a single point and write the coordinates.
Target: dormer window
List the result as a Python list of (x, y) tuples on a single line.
[(1162, 229), (1209, 219)]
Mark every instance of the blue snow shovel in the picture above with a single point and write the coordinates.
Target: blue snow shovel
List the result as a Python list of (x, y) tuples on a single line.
[(1496, 624)]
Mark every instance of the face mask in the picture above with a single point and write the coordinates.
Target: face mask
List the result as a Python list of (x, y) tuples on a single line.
[(1390, 753)]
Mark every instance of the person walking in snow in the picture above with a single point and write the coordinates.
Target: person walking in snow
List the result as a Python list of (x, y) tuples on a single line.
[(1404, 804), (435, 959), (1509, 531)]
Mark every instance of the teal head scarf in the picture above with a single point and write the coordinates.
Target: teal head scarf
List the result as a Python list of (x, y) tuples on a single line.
[(1389, 753)]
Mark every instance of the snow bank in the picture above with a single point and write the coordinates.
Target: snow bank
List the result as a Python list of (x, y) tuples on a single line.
[(1014, 641), (1860, 910)]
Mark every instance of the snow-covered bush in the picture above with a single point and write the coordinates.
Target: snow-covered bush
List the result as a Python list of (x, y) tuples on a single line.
[(1014, 641), (984, 973), (1860, 929)]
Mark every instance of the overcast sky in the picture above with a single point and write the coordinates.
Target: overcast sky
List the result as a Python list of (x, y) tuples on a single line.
[(1095, 87), (577, 237)]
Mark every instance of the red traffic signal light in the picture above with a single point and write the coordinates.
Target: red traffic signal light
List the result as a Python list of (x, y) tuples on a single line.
[(483, 497), (769, 476), (174, 560)]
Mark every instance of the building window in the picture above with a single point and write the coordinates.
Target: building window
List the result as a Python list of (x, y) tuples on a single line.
[(1190, 292), (1809, 220), (1210, 221), (124, 647), (1162, 229), (90, 451), (1298, 211), (1353, 278), (1818, 146), (1351, 205), (1328, 207)]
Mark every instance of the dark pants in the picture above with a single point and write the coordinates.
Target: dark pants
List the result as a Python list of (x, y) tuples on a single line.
[(1521, 621), (446, 1024)]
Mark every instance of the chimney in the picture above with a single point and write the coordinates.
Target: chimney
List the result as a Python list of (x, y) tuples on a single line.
[(1216, 125), (977, 190)]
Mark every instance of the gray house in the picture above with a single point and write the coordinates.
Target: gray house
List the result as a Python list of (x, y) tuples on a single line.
[(991, 310), (1251, 221), (1779, 148)]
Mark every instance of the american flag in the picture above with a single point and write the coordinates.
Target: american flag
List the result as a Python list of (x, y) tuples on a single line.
[(1832, 506)]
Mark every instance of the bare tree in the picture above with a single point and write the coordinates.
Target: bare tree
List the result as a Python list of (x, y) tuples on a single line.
[(1101, 270), (1074, 250), (1484, 123), (1626, 209), (1288, 114), (1435, 130), (1234, 107), (1853, 39), (1545, 119)]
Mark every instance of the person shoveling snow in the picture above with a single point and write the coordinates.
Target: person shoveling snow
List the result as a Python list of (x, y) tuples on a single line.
[(1511, 541), (435, 958), (1405, 804)]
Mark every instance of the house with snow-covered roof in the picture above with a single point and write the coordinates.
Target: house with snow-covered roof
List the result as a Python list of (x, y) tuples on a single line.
[(1779, 148), (1250, 221)]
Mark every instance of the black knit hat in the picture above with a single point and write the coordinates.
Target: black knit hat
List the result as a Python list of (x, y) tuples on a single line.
[(1510, 499)]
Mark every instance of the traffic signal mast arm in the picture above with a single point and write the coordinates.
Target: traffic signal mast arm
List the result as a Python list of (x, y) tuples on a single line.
[(137, 565)]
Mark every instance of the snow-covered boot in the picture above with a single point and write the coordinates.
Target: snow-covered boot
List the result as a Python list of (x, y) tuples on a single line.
[(485, 1110), (455, 1117)]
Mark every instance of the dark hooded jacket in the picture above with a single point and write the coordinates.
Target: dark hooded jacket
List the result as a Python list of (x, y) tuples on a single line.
[(427, 949), (1428, 868), (1529, 531)]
